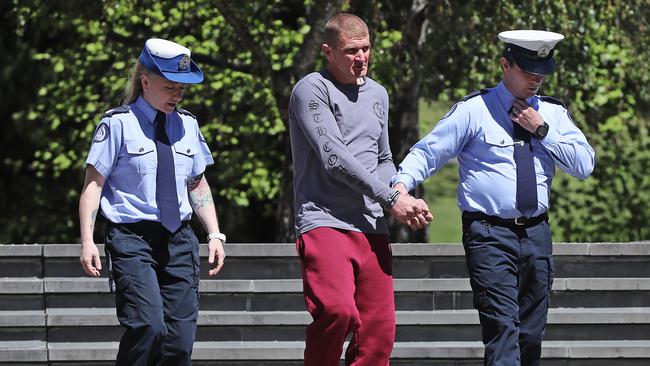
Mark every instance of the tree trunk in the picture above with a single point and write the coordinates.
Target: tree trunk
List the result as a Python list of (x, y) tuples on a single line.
[(403, 133), (304, 62), (404, 121)]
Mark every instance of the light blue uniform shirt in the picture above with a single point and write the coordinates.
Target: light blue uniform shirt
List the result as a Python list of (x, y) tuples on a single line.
[(479, 132), (124, 152)]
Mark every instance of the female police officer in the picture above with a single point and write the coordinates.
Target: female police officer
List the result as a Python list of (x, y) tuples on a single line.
[(145, 167)]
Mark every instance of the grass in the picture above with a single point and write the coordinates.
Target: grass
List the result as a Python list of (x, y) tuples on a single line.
[(440, 189)]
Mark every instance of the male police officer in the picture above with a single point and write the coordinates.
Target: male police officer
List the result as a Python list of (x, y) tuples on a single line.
[(508, 141)]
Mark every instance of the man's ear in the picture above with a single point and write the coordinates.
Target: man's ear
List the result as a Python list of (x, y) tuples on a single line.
[(327, 51), (505, 65)]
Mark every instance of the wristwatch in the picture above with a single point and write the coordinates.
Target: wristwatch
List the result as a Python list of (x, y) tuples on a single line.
[(541, 131), (220, 236)]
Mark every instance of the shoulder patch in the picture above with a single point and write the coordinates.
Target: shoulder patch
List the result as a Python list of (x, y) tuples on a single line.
[(474, 94), (185, 112), (548, 99), (101, 133), (118, 110)]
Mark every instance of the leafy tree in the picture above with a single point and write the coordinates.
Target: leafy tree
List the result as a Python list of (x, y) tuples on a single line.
[(81, 53), (598, 77), (66, 62)]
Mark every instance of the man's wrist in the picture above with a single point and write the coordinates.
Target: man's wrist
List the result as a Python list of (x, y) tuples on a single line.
[(392, 199), (401, 187), (220, 236), (541, 131)]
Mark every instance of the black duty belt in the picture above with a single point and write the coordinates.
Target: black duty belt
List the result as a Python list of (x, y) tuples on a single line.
[(518, 222), (143, 226)]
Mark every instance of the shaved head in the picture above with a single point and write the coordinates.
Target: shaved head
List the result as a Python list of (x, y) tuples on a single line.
[(349, 25)]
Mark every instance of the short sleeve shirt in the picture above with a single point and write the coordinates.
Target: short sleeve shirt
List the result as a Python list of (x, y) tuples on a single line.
[(124, 152)]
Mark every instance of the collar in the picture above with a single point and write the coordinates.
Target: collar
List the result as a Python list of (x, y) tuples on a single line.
[(328, 75), (505, 97), (146, 109)]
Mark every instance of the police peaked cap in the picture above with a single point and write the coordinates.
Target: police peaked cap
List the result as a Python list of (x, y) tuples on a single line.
[(532, 50), (171, 61)]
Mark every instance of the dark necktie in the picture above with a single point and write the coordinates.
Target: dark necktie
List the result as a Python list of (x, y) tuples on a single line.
[(166, 195), (526, 179)]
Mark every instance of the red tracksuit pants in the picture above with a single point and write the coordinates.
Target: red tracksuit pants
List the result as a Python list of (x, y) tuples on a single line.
[(348, 287)]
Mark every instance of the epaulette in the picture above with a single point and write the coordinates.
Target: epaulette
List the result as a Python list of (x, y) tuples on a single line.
[(473, 94), (118, 110), (185, 112), (465, 98), (548, 99)]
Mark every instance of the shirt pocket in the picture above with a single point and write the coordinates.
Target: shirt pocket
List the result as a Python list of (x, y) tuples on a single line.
[(142, 156), (498, 139), (184, 157), (499, 143)]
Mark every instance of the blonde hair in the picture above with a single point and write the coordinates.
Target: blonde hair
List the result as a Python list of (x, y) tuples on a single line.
[(133, 87), (346, 24)]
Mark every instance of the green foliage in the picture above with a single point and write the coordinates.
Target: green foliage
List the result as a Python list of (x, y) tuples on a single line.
[(67, 61), (609, 96), (440, 192), (82, 52), (600, 77)]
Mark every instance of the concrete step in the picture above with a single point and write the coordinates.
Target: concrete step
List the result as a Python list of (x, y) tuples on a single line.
[(21, 293), (253, 314), (580, 353), (23, 325), (23, 352), (286, 294), (101, 325), (271, 260)]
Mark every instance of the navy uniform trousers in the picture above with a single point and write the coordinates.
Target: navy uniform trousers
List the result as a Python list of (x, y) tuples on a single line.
[(511, 274), (156, 281)]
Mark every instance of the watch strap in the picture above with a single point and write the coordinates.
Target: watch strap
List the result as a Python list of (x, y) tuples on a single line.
[(541, 131)]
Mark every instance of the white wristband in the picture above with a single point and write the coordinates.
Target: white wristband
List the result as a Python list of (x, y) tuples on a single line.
[(220, 236)]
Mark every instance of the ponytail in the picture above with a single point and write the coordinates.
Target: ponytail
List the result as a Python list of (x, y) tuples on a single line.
[(133, 87)]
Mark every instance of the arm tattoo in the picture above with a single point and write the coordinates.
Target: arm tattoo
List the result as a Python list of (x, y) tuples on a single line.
[(193, 182), (200, 195)]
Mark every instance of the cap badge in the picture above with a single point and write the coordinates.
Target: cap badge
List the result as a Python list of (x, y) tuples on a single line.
[(543, 51), (184, 63)]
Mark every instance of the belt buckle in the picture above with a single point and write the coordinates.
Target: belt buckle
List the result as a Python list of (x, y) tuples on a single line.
[(521, 220)]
